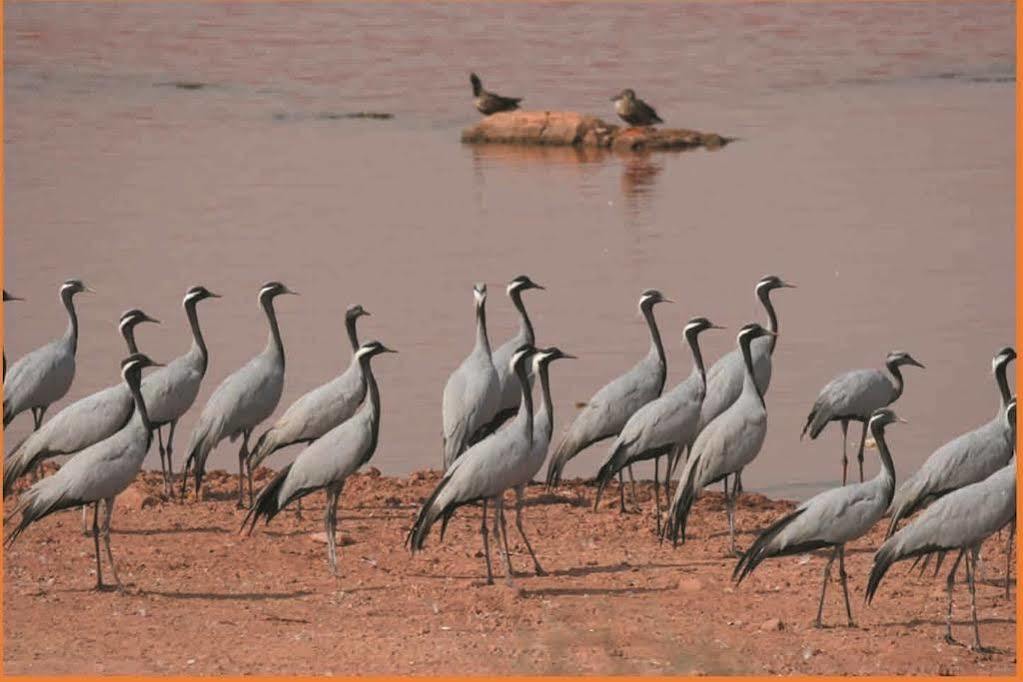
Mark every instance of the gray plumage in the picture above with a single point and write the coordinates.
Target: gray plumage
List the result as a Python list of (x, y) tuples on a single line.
[(830, 519), (82, 423), (472, 393), (969, 458), (321, 409), (854, 396), (607, 412), (961, 520), (662, 426), (170, 392), (501, 357), (43, 376), (634, 111), (242, 401), (725, 447), (99, 472), (328, 461), (485, 471), (488, 103)]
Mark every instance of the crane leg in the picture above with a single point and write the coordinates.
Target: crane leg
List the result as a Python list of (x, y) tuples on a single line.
[(824, 587), (859, 453), (657, 491), (971, 577), (730, 512), (85, 521), (502, 528), (95, 540), (632, 483), (163, 460), (170, 464), (950, 583), (845, 586), (738, 483), (503, 533), (108, 505), (330, 523), (1008, 556), (486, 545), (243, 456), (621, 492), (845, 457), (538, 569)]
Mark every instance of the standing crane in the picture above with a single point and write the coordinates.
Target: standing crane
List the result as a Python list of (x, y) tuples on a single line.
[(99, 472), (44, 376), (830, 520), (662, 426), (328, 462), (242, 401), (971, 457), (854, 396), (509, 404), (472, 393), (725, 447), (607, 412)]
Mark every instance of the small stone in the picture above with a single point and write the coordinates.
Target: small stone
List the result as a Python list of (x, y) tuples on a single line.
[(772, 625), (690, 585)]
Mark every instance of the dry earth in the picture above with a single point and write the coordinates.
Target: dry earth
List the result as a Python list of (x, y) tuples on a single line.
[(201, 599)]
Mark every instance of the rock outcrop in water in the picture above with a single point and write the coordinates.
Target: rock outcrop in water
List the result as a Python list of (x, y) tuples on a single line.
[(568, 128)]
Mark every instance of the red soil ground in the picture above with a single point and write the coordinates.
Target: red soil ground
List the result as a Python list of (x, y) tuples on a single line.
[(201, 599)]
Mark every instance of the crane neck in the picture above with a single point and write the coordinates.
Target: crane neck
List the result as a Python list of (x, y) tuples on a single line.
[(128, 332), (694, 346), (655, 340), (275, 331), (764, 294), (353, 334), (897, 383), (887, 465), (526, 402), (1002, 380), (373, 394), (525, 326), (198, 342), (67, 297), (134, 381), (750, 381), (545, 388), (481, 326)]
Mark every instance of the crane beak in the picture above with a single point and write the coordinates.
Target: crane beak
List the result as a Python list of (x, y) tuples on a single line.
[(88, 289), (716, 326), (289, 291), (770, 333), (788, 285), (568, 356), (14, 298), (665, 299), (901, 420), (147, 318), (210, 294), (388, 350), (539, 286), (916, 364)]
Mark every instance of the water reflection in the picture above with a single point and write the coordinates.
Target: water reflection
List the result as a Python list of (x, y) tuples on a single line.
[(639, 174)]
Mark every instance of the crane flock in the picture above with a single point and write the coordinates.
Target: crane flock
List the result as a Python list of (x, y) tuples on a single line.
[(496, 438)]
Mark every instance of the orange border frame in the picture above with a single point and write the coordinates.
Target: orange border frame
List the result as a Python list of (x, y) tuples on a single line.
[(1019, 437)]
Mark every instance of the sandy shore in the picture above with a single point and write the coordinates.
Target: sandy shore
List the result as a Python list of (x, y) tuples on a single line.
[(203, 600)]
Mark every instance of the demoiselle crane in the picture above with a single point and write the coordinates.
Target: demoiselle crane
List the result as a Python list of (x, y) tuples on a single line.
[(8, 297), (854, 396), (43, 376), (171, 391), (969, 458), (724, 447), (830, 520), (85, 422), (961, 520), (662, 426), (242, 401), (328, 462), (509, 404), (725, 377), (472, 393), (99, 472), (607, 412), (484, 472), (321, 409)]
